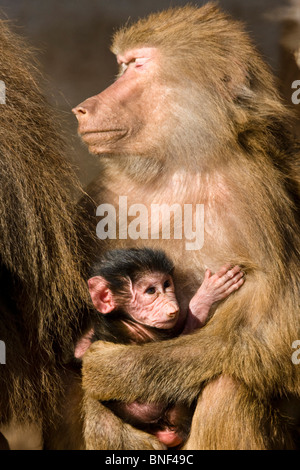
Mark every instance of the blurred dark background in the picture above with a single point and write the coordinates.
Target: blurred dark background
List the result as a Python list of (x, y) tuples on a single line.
[(72, 39)]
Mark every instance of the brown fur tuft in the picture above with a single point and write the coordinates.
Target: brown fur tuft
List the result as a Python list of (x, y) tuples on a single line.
[(43, 293)]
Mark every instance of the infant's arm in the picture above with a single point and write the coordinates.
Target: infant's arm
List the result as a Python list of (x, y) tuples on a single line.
[(214, 288)]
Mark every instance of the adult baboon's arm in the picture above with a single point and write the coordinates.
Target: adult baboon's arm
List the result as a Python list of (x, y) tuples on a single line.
[(174, 370)]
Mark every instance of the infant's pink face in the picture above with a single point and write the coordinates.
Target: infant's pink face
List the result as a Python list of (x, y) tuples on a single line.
[(154, 302)]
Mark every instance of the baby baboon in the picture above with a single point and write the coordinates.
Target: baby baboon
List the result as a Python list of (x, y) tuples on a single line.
[(134, 289)]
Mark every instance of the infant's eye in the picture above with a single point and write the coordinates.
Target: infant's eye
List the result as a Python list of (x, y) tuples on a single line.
[(150, 290), (167, 284)]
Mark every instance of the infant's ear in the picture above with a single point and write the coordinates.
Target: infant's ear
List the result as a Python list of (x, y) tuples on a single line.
[(102, 297)]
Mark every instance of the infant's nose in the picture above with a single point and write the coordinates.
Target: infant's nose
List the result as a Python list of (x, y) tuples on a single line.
[(172, 310)]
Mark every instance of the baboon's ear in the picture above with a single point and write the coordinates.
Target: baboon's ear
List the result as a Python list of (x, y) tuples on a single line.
[(102, 297)]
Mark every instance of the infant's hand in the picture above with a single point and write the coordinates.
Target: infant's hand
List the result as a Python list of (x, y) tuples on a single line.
[(214, 288), (83, 344), (220, 285)]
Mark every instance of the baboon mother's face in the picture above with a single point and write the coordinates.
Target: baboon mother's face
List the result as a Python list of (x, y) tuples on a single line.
[(127, 117)]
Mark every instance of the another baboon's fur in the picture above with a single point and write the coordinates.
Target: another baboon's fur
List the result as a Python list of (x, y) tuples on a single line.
[(226, 139), (43, 295)]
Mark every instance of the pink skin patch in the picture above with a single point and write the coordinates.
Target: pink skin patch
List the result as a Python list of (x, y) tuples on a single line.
[(168, 437), (83, 344)]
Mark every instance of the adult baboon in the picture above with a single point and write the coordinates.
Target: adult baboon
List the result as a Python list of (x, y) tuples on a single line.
[(43, 299), (194, 118)]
